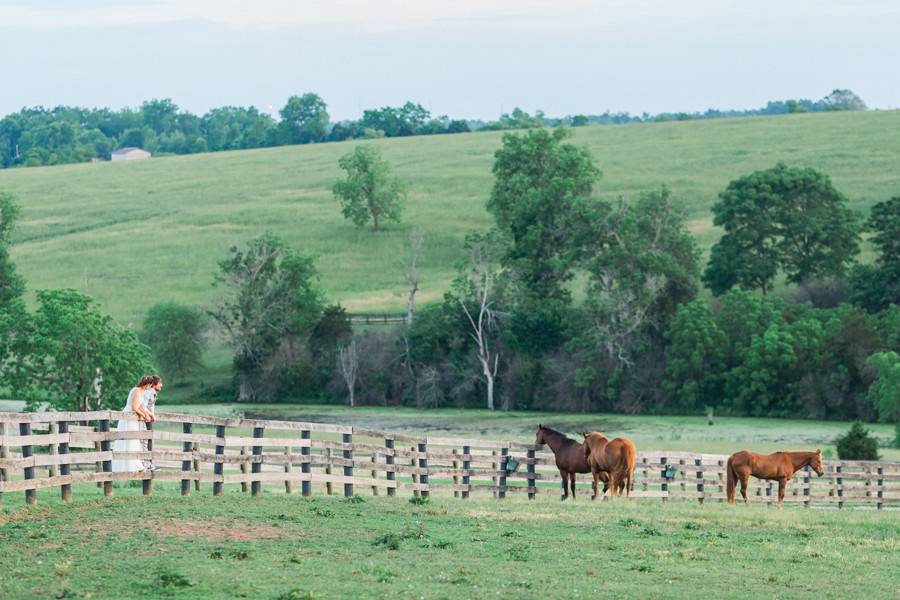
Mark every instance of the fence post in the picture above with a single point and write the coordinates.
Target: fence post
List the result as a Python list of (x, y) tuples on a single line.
[(698, 462), (532, 486), (52, 449), (328, 471), (256, 467), (374, 473), (348, 468), (245, 468), (28, 452), (4, 454), (721, 465), (504, 457), (455, 474), (880, 492), (186, 446), (288, 487), (64, 469), (806, 495), (467, 464), (147, 484), (495, 467), (107, 464), (664, 487), (306, 484), (389, 460), (219, 465), (196, 465), (840, 485), (423, 467)]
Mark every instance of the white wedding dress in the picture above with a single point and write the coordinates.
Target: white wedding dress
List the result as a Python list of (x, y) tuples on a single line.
[(121, 466)]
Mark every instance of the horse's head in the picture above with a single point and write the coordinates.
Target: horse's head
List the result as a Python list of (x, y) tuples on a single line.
[(592, 440), (815, 462), (539, 438)]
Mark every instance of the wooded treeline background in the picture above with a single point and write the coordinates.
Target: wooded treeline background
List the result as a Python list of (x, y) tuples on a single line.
[(66, 134), (569, 302)]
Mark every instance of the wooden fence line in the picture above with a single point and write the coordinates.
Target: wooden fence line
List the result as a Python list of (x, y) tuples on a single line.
[(61, 449)]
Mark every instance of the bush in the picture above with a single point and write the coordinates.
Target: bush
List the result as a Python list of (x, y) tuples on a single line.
[(857, 444)]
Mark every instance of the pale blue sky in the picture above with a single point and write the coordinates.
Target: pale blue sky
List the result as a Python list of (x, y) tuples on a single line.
[(465, 58)]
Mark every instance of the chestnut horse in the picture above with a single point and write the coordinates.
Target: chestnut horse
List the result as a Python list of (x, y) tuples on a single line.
[(779, 466), (616, 457), (570, 457)]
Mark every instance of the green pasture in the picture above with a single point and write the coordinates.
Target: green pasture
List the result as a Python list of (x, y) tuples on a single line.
[(132, 234), (278, 546)]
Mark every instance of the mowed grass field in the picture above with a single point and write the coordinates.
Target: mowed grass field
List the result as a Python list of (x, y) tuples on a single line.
[(133, 234), (277, 546)]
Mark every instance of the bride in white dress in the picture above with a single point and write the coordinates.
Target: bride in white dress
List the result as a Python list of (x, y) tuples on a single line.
[(135, 404)]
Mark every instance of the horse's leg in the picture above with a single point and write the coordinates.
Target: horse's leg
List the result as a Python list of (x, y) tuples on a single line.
[(572, 482), (782, 483), (564, 476), (745, 483), (596, 484)]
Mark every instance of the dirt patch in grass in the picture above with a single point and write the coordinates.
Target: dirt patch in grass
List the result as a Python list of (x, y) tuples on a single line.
[(213, 530)]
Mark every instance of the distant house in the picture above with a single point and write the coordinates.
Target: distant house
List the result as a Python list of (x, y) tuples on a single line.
[(129, 154)]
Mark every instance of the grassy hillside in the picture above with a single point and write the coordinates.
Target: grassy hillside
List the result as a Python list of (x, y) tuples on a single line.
[(132, 234)]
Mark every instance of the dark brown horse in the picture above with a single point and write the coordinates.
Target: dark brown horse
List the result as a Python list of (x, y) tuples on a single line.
[(779, 466), (616, 457), (570, 457)]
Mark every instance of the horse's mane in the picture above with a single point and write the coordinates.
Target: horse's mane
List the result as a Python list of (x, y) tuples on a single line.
[(552, 431)]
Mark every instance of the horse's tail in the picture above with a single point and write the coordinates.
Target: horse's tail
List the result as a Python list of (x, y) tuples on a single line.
[(631, 460), (731, 479)]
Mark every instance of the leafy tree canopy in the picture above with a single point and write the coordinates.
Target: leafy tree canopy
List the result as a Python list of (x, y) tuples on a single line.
[(783, 218), (369, 192)]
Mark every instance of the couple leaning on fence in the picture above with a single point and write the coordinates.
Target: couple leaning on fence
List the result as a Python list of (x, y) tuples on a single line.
[(141, 401)]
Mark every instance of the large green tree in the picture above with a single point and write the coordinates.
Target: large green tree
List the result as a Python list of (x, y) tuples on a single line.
[(781, 219), (369, 192), (78, 358), (13, 318), (877, 286), (539, 184), (304, 119), (176, 334), (270, 304)]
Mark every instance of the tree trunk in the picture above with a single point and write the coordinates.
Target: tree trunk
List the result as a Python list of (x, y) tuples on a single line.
[(352, 397), (490, 391), (245, 389), (375, 221), (411, 303)]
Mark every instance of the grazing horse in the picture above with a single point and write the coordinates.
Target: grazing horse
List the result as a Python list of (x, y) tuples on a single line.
[(569, 454), (616, 457), (780, 466)]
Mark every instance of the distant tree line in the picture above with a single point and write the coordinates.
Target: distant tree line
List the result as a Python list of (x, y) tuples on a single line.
[(568, 302), (49, 136)]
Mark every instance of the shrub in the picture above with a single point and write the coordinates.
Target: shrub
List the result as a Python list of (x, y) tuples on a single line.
[(857, 444)]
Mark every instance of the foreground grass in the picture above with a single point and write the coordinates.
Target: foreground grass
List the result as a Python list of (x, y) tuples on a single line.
[(279, 546)]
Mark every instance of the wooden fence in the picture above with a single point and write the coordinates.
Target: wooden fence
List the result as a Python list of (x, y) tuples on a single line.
[(59, 450)]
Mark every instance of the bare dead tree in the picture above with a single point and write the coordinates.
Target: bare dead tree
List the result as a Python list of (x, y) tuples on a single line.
[(348, 361), (416, 247), (481, 279)]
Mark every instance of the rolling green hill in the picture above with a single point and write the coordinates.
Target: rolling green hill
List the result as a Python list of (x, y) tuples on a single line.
[(132, 234)]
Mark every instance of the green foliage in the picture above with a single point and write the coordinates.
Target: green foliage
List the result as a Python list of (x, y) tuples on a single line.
[(539, 182), (783, 218), (884, 393), (369, 192), (270, 303), (857, 444), (78, 358), (696, 357), (11, 284), (304, 119), (176, 334), (877, 286)]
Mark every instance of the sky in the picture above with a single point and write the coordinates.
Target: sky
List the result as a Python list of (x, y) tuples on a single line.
[(463, 58)]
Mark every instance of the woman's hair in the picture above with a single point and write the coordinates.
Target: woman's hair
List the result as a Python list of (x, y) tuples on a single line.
[(149, 380)]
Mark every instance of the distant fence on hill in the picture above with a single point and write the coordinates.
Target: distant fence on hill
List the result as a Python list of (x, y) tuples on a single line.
[(377, 318), (61, 449)]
